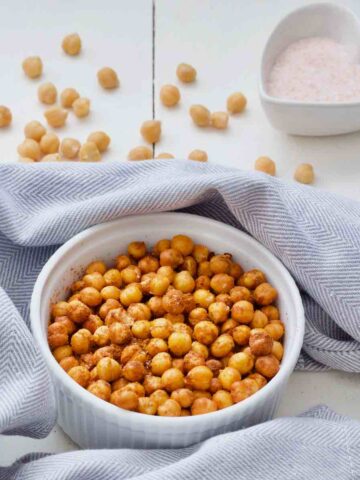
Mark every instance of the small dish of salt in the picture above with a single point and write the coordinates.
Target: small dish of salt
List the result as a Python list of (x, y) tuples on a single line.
[(310, 72)]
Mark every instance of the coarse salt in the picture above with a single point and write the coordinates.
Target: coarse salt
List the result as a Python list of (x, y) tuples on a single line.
[(316, 69)]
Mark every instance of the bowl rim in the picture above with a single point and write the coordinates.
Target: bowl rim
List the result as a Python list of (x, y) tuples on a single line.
[(297, 103), (287, 365)]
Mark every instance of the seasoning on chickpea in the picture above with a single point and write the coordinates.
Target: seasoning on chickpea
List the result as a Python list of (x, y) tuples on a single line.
[(304, 173), (49, 143), (68, 97), (265, 165), (236, 102), (71, 44), (56, 117), (169, 95), (29, 148), (200, 115), (47, 93), (81, 107), (32, 67), (219, 120), (108, 79), (5, 116), (186, 73), (140, 153)]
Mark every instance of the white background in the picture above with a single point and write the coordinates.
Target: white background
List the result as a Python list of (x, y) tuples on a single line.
[(224, 41)]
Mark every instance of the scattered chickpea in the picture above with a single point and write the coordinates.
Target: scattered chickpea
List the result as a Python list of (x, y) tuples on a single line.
[(69, 148), (219, 120), (304, 173), (164, 155), (108, 79), (186, 73), (140, 153), (49, 143), (236, 102), (68, 97), (200, 115), (32, 67), (265, 165), (169, 95), (5, 116), (81, 107), (56, 117), (151, 131), (71, 44), (47, 93), (29, 148), (34, 130), (101, 139), (89, 152)]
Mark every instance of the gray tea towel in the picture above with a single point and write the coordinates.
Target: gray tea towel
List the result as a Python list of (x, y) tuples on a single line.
[(315, 234)]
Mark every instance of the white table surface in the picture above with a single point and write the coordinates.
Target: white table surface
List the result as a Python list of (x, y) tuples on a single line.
[(224, 41)]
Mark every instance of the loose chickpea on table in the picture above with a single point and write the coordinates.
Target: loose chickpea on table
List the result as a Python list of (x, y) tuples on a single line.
[(172, 330)]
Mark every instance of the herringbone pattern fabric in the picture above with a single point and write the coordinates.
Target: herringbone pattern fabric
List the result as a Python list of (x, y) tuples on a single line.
[(315, 234)]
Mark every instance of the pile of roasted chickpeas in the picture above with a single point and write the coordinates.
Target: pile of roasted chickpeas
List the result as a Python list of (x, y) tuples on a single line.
[(174, 331)]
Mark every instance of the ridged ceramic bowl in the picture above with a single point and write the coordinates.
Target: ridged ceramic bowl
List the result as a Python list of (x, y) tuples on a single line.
[(93, 423)]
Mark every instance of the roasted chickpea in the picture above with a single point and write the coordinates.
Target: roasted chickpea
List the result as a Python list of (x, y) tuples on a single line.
[(243, 389), (161, 245), (183, 396), (120, 333), (110, 292), (183, 244), (159, 285), (137, 250), (219, 120), (96, 266), (151, 131), (5, 116), (101, 336), (241, 335), (198, 315), (275, 329), (223, 399), (68, 363), (220, 264), (206, 332), (200, 377), (182, 328), (304, 173), (202, 283), (34, 130), (259, 379), (259, 320), (90, 296), (224, 298), (92, 323), (204, 297), (222, 283), (108, 369), (184, 282), (152, 383), (179, 318), (30, 149), (228, 326), (204, 269), (186, 73), (277, 350), (80, 341), (190, 265), (62, 352), (265, 294), (101, 389), (200, 115), (173, 302), (201, 394), (130, 294), (134, 371), (179, 343), (160, 328), (172, 379), (69, 148), (200, 348), (252, 279), (160, 363), (32, 67), (218, 312), (140, 153), (159, 396), (57, 335), (193, 359), (203, 405), (222, 345), (108, 79), (131, 274), (169, 95), (47, 93), (80, 374), (125, 399), (118, 315), (81, 108), (240, 293), (260, 344), (68, 97), (236, 103), (122, 261), (171, 257), (105, 308), (170, 408), (242, 311), (56, 117), (156, 306), (241, 361), (102, 352), (147, 405), (141, 329), (271, 312)]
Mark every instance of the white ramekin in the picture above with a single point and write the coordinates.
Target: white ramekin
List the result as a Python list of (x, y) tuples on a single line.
[(93, 423), (310, 118)]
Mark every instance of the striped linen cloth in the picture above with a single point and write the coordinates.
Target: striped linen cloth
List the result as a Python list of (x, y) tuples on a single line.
[(315, 234)]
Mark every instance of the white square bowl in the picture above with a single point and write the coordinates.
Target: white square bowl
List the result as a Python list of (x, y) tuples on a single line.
[(310, 118)]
